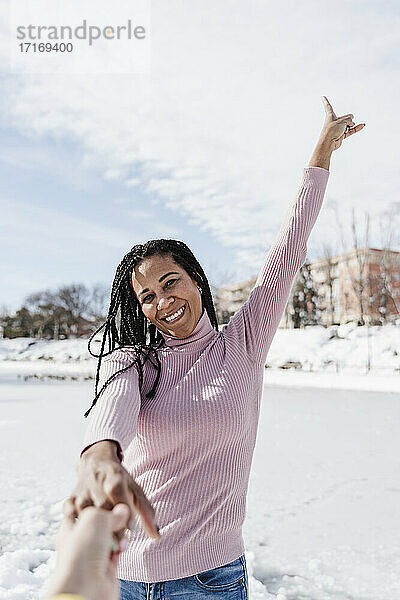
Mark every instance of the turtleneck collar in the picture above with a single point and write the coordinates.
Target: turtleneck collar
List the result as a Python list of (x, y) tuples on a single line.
[(200, 336)]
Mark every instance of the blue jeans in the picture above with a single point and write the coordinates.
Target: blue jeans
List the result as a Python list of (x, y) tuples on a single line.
[(227, 582)]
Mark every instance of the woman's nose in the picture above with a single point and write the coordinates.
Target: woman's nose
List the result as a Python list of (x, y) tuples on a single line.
[(163, 303)]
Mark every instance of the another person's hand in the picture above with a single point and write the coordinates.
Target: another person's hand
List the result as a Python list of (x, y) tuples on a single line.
[(103, 482), (87, 554), (336, 129)]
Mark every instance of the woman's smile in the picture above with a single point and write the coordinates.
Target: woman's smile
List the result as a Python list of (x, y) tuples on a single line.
[(170, 299), (172, 318)]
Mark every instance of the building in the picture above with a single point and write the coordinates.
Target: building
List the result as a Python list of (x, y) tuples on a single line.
[(362, 285), (231, 297)]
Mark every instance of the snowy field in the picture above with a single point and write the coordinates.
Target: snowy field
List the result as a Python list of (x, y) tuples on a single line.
[(344, 349), (323, 511)]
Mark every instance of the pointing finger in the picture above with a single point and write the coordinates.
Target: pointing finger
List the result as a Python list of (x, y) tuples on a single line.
[(328, 109), (145, 510)]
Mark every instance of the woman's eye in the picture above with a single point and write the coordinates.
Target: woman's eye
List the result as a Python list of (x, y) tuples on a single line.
[(149, 297), (170, 281)]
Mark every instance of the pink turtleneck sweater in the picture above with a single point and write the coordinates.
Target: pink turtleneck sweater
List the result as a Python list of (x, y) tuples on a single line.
[(190, 447)]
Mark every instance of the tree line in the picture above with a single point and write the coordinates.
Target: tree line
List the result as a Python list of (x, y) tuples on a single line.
[(70, 311)]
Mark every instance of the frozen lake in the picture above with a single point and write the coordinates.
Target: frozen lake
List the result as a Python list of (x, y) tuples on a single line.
[(323, 510)]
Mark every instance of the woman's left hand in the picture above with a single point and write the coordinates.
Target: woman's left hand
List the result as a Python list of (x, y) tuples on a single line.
[(336, 129)]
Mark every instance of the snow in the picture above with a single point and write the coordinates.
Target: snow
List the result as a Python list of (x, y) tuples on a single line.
[(323, 502), (323, 507), (344, 348), (337, 356), (371, 382), (40, 436)]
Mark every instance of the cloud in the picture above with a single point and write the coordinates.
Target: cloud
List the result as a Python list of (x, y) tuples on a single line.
[(46, 247), (51, 227), (222, 127)]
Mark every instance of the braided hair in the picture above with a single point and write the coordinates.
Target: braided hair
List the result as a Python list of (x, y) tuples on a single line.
[(127, 327)]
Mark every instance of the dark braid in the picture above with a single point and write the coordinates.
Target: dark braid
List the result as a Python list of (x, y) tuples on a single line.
[(126, 325)]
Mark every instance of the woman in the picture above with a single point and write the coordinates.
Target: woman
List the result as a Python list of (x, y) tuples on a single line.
[(180, 401)]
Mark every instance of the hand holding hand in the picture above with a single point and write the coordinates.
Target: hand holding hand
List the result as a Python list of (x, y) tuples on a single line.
[(87, 554), (104, 482)]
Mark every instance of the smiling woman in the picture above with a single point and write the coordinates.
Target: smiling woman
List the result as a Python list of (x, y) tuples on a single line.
[(169, 297), (179, 409), (159, 287)]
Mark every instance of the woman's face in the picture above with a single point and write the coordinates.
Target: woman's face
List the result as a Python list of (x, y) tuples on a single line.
[(163, 288)]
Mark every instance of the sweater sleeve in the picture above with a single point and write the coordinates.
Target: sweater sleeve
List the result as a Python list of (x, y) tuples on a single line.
[(114, 416), (254, 325)]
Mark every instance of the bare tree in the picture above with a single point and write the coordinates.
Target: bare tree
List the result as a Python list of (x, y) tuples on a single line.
[(389, 272), (45, 313), (98, 303), (72, 310), (356, 263), (359, 276), (327, 276), (71, 304), (60, 313)]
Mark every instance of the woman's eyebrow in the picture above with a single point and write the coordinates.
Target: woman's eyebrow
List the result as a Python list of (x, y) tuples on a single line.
[(160, 280)]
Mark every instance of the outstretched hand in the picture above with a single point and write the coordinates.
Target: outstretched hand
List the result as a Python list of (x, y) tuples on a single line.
[(88, 553), (336, 129)]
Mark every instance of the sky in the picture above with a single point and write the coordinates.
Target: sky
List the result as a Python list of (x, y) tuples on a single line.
[(207, 147)]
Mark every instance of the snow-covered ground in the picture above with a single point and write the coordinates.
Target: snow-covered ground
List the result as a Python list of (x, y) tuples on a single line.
[(323, 504), (340, 356), (323, 510)]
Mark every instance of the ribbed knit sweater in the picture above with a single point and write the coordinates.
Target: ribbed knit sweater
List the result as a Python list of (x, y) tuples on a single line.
[(190, 447)]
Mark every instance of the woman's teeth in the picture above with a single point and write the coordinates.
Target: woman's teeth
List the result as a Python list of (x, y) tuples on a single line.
[(175, 315)]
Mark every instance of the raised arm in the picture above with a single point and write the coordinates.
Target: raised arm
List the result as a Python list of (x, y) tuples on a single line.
[(252, 328)]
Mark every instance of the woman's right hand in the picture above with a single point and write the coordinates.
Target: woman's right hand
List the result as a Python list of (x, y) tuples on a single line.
[(103, 482)]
